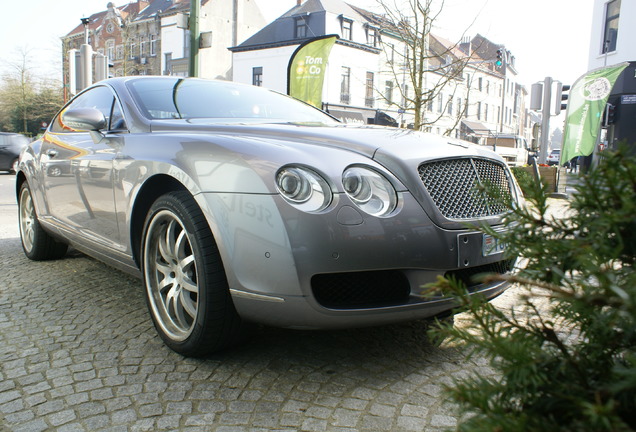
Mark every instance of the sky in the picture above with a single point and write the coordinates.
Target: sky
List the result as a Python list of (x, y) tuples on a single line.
[(547, 37)]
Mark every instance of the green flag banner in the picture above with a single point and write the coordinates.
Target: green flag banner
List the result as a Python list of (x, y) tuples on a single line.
[(306, 69), (586, 104)]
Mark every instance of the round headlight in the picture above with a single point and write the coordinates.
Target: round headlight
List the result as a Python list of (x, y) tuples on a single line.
[(303, 188), (370, 191), (293, 186)]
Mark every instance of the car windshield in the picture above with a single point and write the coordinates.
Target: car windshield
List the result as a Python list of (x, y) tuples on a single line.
[(182, 98)]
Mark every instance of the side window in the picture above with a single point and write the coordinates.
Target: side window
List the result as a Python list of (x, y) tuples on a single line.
[(100, 98), (117, 121)]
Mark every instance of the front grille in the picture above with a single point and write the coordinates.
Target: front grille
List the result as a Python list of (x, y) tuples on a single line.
[(468, 275), (457, 187), (361, 289)]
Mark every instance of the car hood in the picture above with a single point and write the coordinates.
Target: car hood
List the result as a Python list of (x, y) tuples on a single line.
[(371, 141)]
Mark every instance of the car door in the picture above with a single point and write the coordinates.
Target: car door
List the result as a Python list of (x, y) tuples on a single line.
[(4, 152), (78, 173)]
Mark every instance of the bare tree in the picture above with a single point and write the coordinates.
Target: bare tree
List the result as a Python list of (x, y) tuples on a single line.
[(426, 65)]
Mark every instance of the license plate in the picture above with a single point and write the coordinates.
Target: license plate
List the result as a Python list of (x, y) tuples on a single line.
[(491, 245)]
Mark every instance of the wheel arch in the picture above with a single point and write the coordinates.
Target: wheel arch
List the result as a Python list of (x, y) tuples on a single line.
[(152, 189), (19, 179)]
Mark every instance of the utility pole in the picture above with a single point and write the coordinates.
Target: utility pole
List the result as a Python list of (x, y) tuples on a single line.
[(235, 14), (195, 8), (545, 120)]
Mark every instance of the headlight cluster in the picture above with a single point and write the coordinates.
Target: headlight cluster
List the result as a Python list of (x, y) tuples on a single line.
[(304, 189), (369, 190)]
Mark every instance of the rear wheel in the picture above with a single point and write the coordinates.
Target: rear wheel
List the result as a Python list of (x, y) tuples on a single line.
[(186, 287), (37, 244)]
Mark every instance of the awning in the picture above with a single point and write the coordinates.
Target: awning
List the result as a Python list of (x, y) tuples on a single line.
[(474, 127), (354, 117)]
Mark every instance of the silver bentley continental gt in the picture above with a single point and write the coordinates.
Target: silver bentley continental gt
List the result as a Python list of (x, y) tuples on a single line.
[(237, 204)]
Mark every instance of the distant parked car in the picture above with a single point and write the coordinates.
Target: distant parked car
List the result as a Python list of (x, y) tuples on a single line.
[(234, 203), (513, 148), (11, 144), (554, 157)]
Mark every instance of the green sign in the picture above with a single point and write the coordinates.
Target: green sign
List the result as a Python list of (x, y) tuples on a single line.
[(306, 69), (586, 104)]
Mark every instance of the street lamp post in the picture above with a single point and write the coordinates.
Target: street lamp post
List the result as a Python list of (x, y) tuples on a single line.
[(86, 58)]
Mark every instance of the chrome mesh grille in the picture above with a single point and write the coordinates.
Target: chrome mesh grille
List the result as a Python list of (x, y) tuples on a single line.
[(455, 185)]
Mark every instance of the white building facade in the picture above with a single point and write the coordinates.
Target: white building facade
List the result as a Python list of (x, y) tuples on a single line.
[(612, 36), (613, 33)]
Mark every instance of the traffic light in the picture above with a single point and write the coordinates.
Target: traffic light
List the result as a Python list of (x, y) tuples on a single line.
[(609, 116), (499, 60), (560, 102)]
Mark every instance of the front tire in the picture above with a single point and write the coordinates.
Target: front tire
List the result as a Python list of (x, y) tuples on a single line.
[(37, 244), (186, 286)]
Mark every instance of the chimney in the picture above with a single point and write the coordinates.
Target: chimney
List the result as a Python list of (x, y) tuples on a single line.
[(465, 46)]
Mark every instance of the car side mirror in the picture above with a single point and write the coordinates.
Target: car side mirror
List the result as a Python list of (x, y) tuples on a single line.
[(85, 119)]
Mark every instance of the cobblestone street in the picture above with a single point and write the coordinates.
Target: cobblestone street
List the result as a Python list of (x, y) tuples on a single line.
[(78, 353)]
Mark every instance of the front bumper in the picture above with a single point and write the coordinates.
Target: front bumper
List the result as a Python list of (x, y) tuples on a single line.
[(292, 269)]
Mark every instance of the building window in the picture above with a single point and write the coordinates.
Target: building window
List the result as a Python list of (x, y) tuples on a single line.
[(119, 52), (368, 97), (132, 50), (449, 106), (373, 36), (257, 76), (478, 110), (610, 32), (440, 104), (388, 92), (390, 52), (480, 83), (347, 25), (486, 112), (143, 48), (168, 61), (300, 29), (110, 50), (153, 45), (345, 85)]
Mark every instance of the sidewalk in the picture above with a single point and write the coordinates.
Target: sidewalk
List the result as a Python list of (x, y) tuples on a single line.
[(566, 185)]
